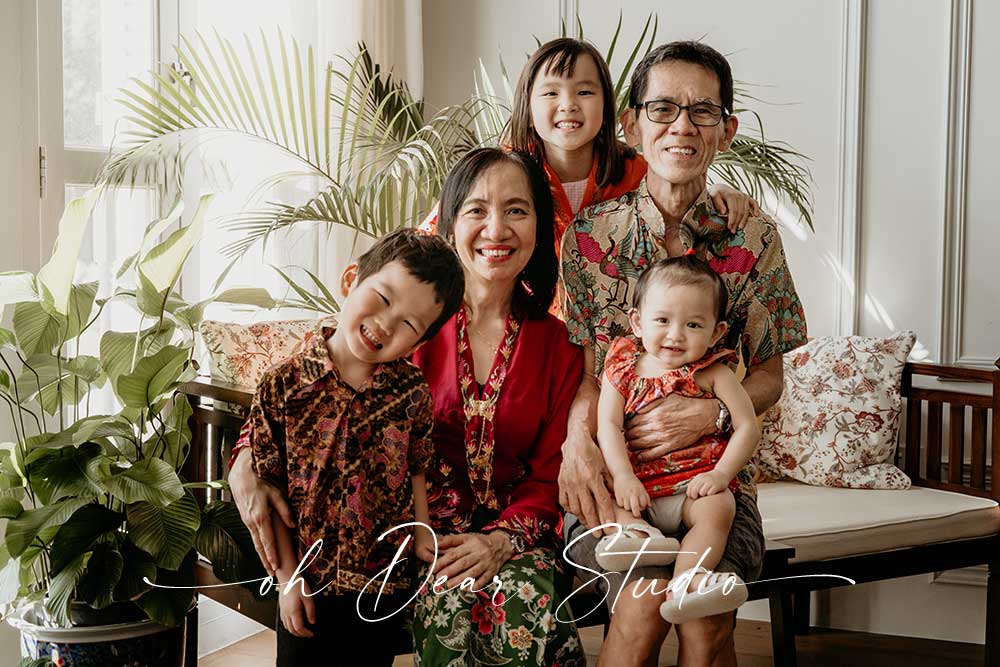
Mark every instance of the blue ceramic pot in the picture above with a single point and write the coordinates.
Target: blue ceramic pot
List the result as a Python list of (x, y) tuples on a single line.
[(138, 644)]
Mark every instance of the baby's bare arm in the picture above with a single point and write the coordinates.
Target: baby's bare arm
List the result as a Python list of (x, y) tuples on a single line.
[(610, 430), (746, 431)]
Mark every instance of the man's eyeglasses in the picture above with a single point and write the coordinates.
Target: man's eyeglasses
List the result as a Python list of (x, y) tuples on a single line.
[(703, 114)]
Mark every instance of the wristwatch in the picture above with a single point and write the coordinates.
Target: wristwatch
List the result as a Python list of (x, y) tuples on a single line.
[(516, 541), (722, 422)]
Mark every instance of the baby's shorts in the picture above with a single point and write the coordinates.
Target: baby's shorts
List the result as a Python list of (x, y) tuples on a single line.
[(665, 513)]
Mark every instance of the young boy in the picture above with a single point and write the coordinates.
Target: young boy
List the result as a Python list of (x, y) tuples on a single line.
[(344, 428)]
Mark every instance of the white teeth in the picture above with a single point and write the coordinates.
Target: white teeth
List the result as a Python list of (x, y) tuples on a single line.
[(371, 337), (496, 253), (568, 124), (683, 150)]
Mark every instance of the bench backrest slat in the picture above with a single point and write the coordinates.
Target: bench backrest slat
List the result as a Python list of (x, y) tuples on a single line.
[(923, 457)]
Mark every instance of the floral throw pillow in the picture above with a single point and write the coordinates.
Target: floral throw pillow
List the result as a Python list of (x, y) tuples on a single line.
[(240, 353), (837, 421)]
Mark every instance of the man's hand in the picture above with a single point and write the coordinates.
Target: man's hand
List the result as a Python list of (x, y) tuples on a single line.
[(582, 490), (669, 424), (473, 555), (255, 499)]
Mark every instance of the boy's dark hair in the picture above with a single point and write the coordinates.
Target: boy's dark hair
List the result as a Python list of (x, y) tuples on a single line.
[(694, 52), (429, 259), (560, 56), (533, 294), (683, 270)]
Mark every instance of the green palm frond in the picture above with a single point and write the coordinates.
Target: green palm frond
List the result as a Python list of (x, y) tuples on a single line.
[(379, 155), (277, 100)]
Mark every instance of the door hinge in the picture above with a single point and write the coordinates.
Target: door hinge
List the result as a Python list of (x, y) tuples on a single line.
[(43, 168)]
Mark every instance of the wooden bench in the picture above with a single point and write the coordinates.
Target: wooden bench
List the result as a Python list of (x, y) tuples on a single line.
[(921, 454)]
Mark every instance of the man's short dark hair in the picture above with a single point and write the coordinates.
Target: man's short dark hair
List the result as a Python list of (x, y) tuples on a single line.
[(684, 270), (429, 259), (688, 52)]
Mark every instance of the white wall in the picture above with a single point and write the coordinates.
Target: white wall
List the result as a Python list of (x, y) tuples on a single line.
[(19, 249), (884, 206)]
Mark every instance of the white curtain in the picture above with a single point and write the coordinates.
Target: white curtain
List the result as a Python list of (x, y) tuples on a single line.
[(392, 31)]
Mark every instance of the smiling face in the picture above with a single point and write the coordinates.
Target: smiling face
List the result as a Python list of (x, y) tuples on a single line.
[(494, 228), (567, 111), (385, 315), (679, 153), (677, 323)]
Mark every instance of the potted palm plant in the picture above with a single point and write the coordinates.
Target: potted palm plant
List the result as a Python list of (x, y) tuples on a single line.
[(377, 156), (102, 533)]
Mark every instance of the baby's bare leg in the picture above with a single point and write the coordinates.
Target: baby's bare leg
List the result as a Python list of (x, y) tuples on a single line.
[(708, 519)]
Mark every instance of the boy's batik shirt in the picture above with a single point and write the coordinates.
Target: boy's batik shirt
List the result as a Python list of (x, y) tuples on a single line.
[(345, 458), (611, 243)]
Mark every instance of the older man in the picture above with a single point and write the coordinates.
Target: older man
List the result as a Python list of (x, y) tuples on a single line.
[(680, 112)]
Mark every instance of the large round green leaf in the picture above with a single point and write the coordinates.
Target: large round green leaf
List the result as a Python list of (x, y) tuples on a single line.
[(166, 533), (81, 532), (61, 590), (137, 566), (104, 570), (225, 541), (153, 376), (22, 530), (169, 606), (152, 480)]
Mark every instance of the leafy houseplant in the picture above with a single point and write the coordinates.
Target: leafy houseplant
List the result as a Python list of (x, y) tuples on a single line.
[(94, 502), (378, 155)]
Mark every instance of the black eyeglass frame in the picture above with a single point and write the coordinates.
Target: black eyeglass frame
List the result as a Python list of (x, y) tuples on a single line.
[(683, 107)]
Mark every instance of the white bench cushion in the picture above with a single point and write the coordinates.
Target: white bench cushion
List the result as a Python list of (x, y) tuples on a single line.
[(823, 522)]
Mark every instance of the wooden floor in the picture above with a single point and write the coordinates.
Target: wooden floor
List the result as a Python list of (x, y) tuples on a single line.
[(822, 648)]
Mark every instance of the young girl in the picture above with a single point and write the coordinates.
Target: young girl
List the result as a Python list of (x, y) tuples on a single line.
[(678, 313), (563, 115)]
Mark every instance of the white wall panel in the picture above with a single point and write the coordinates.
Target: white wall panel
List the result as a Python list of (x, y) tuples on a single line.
[(979, 335), (904, 176)]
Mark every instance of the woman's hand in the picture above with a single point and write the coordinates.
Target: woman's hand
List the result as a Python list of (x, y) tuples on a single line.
[(738, 206), (582, 490), (255, 499), (473, 555), (631, 494), (296, 608), (669, 424), (707, 484)]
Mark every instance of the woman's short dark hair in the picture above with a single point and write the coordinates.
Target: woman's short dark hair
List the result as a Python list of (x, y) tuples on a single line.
[(684, 270), (429, 259), (688, 52), (533, 294), (560, 56)]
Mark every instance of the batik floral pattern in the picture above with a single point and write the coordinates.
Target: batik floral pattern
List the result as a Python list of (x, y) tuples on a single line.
[(517, 627), (837, 421)]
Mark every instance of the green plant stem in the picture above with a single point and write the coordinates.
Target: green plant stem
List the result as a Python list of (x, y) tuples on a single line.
[(135, 348), (38, 383), (17, 397), (59, 395), (97, 315)]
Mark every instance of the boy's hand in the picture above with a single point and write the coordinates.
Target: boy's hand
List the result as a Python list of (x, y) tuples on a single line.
[(631, 494), (707, 484), (298, 611)]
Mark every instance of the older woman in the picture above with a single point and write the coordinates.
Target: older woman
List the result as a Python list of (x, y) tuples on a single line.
[(503, 376)]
